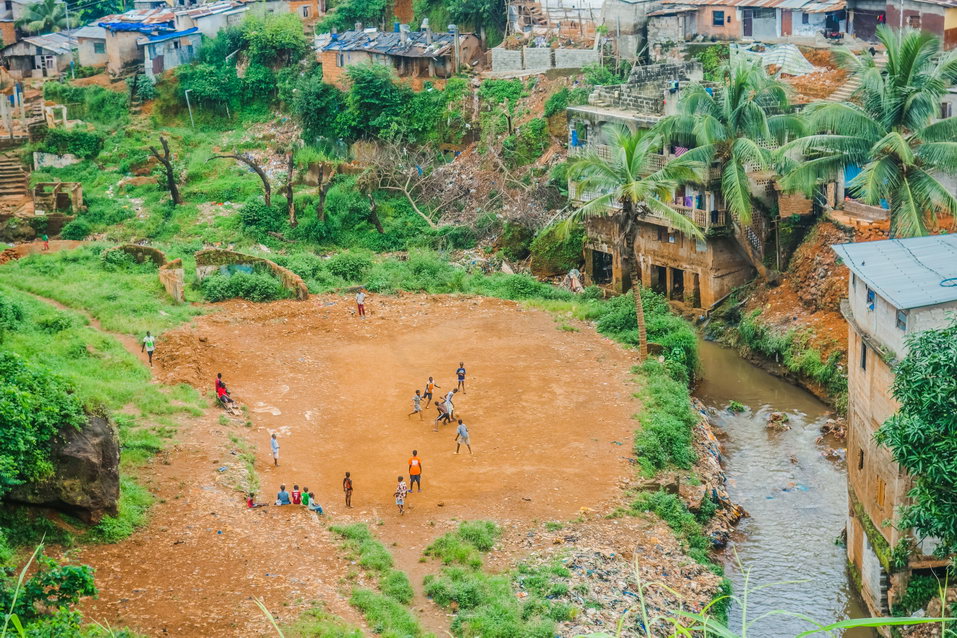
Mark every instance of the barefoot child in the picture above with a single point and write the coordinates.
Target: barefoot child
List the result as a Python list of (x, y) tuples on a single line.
[(400, 491), (462, 437), (347, 488), (460, 374), (417, 404)]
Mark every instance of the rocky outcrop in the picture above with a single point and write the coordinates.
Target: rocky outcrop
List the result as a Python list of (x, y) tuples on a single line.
[(86, 481)]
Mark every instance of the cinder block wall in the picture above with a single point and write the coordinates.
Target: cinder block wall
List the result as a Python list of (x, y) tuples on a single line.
[(537, 58), (575, 58), (506, 60)]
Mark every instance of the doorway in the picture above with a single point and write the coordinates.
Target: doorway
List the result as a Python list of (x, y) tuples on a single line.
[(601, 267), (659, 279), (677, 285)]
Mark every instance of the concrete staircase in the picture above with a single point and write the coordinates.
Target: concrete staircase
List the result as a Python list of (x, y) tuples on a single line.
[(13, 180), (846, 92)]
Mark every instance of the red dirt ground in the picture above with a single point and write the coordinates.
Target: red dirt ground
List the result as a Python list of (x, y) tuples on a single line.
[(549, 412)]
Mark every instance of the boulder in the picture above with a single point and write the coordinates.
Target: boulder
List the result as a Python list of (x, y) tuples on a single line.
[(86, 480)]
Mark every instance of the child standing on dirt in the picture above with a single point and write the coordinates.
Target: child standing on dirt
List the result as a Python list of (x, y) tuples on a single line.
[(400, 491), (46, 242), (417, 404), (149, 344), (462, 437), (415, 470), (460, 374), (429, 387), (274, 444), (361, 302), (347, 488)]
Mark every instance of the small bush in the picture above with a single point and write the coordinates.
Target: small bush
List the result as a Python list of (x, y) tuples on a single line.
[(253, 286), (255, 214), (351, 267), (78, 229), (555, 251), (515, 241), (83, 144), (385, 615), (395, 584)]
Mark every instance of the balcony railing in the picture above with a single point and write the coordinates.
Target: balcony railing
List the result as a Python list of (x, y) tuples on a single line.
[(702, 218)]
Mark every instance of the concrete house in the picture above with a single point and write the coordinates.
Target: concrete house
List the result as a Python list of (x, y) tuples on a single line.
[(678, 20), (41, 56), (91, 46), (417, 56), (124, 32), (696, 273), (167, 51), (936, 16), (894, 291), (211, 18)]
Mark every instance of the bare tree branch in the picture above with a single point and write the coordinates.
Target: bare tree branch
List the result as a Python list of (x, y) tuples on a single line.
[(251, 163), (166, 161)]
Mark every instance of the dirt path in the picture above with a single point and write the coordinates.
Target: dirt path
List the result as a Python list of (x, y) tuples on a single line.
[(549, 412)]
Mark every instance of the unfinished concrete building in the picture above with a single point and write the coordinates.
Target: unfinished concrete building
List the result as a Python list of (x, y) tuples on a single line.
[(894, 291), (693, 272)]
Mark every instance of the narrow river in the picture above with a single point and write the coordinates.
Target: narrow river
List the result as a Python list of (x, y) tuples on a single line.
[(797, 499)]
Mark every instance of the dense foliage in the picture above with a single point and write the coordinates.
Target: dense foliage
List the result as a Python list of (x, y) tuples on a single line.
[(254, 286), (83, 144), (34, 406), (91, 103), (922, 435)]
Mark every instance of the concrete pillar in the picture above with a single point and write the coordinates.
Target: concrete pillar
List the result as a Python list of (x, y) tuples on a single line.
[(669, 281)]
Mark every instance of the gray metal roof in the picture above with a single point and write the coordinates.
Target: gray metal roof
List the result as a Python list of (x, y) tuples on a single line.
[(909, 273), (414, 44), (91, 32)]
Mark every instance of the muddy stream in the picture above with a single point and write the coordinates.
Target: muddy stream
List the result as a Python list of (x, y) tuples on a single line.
[(797, 500)]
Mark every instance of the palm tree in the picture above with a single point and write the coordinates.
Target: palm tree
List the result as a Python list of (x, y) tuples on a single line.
[(725, 128), (887, 130), (45, 16), (626, 181)]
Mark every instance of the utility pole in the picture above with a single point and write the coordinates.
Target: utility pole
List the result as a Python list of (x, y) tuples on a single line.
[(192, 122)]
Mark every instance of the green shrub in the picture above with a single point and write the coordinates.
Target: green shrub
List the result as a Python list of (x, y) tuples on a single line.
[(515, 241), (665, 438), (556, 251), (254, 286), (78, 229), (52, 586), (351, 267), (83, 144), (255, 214), (527, 144), (92, 103), (34, 405), (564, 97)]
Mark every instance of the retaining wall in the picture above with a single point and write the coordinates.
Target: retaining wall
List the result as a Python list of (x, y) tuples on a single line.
[(209, 261), (537, 58), (541, 59), (171, 275), (575, 58), (506, 60)]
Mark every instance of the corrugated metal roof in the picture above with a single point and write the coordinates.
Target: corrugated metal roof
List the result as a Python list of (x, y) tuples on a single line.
[(58, 43), (390, 43), (212, 8), (137, 19), (909, 273), (90, 31), (670, 11), (807, 6)]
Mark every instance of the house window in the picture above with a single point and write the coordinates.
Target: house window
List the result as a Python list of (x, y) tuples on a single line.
[(853, 281), (176, 44), (870, 297), (661, 233), (946, 110), (805, 18), (902, 320), (860, 459), (913, 21), (340, 59), (305, 12), (717, 18), (8, 5), (672, 238), (700, 246), (863, 356), (99, 47), (881, 492)]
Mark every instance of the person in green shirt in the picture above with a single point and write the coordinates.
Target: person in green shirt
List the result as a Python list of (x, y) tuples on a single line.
[(305, 496), (149, 344)]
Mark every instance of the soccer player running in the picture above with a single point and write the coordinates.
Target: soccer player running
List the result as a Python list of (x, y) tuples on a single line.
[(417, 404), (430, 386)]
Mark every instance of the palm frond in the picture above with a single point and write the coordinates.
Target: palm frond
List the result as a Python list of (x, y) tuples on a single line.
[(677, 220), (737, 191), (939, 155), (943, 131)]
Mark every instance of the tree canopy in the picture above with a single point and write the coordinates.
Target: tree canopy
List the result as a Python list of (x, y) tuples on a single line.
[(888, 130)]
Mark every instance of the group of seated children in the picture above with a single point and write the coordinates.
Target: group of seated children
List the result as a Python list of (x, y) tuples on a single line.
[(296, 497), (221, 392)]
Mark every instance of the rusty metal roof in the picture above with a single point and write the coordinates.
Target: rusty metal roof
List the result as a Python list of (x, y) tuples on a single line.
[(415, 45)]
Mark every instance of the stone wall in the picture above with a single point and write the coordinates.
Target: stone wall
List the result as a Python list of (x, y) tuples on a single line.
[(171, 275), (626, 96), (794, 204), (209, 261), (86, 479), (668, 72), (142, 254)]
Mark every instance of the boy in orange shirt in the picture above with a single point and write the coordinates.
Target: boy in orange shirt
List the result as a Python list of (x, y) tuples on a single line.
[(415, 470)]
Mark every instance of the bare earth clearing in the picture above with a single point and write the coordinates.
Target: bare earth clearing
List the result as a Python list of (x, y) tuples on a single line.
[(549, 412)]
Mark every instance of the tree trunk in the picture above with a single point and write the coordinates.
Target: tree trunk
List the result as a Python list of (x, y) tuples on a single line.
[(290, 203), (373, 215), (248, 161), (626, 248), (324, 189), (164, 159)]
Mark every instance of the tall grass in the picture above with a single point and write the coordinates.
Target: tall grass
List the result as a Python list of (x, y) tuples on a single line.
[(128, 301)]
